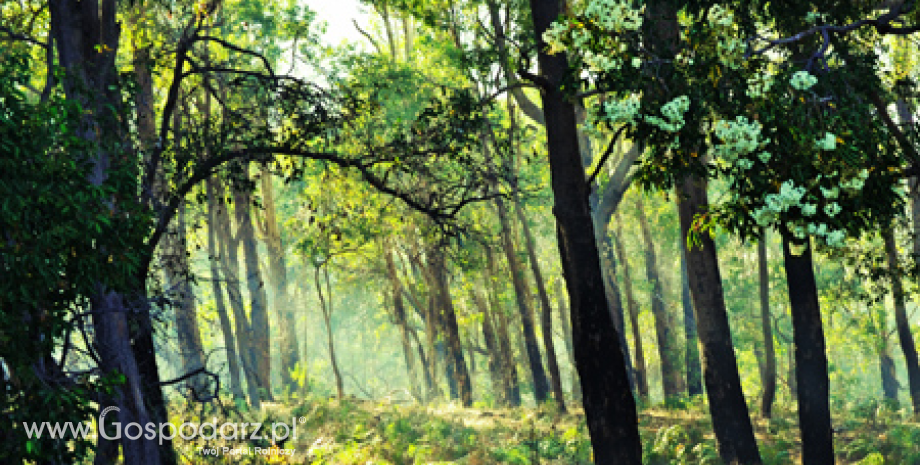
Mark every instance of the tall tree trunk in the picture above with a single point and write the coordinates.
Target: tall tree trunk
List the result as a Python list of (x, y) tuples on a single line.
[(691, 345), (902, 323), (277, 271), (456, 363), (664, 329), (178, 276), (230, 266), (261, 336), (327, 318), (217, 219), (540, 383), (496, 370), (766, 321), (125, 344), (566, 324), (399, 317), (886, 363), (608, 401), (810, 358), (727, 407), (632, 308), (546, 310), (509, 367)]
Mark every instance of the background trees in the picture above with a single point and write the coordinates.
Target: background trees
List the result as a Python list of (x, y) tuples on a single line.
[(388, 216)]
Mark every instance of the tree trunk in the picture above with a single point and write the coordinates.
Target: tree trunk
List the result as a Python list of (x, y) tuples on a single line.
[(496, 370), (727, 407), (810, 358), (327, 318), (231, 271), (277, 272), (768, 382), (691, 345), (176, 266), (667, 347), (217, 219), (399, 317), (902, 323), (540, 383), (78, 30), (546, 310), (261, 336), (456, 363), (565, 322), (633, 310), (509, 367), (609, 405), (886, 364)]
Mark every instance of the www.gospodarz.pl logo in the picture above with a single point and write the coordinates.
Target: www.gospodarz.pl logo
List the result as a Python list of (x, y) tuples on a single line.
[(165, 431)]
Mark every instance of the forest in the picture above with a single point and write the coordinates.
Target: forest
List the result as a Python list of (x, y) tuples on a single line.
[(470, 232)]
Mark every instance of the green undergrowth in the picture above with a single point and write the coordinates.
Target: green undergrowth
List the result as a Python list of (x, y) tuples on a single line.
[(359, 432)]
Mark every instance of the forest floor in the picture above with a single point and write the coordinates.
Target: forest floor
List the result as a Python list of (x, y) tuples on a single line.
[(360, 432)]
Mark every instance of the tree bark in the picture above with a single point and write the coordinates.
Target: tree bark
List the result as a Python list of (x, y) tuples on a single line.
[(730, 420), (641, 372), (768, 383), (810, 358), (608, 402), (664, 329), (546, 310), (902, 323)]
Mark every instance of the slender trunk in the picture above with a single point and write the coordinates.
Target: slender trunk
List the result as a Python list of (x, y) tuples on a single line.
[(691, 344), (540, 383), (277, 272), (612, 289), (434, 333), (667, 346), (509, 367), (566, 324), (423, 359), (456, 363), (231, 271), (766, 321), (399, 317), (727, 407), (886, 363), (178, 275), (495, 363), (216, 219), (633, 309), (902, 323), (327, 319), (261, 337), (546, 310), (609, 405), (810, 358)]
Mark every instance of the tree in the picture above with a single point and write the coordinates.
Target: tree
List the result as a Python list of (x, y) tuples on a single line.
[(609, 404)]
